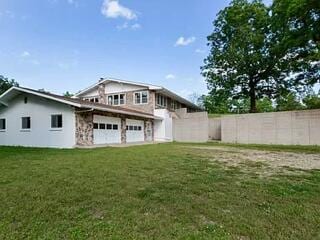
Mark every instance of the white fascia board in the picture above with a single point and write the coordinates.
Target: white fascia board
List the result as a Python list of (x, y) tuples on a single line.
[(39, 95), (108, 79)]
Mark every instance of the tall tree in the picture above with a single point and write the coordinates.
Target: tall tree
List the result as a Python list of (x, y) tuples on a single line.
[(5, 84), (251, 58), (296, 29)]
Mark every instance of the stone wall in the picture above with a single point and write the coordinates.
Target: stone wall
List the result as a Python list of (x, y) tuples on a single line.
[(288, 128), (101, 92), (148, 108), (148, 130), (84, 128)]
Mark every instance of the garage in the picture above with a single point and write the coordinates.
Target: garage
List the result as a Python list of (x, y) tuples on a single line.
[(135, 130), (106, 130)]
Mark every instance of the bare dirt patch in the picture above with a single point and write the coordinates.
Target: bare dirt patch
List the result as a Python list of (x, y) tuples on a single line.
[(267, 161)]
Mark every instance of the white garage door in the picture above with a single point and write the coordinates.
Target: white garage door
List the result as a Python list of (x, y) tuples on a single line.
[(135, 130), (106, 130)]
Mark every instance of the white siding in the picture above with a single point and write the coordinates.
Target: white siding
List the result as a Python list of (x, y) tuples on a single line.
[(113, 87), (163, 128), (40, 134)]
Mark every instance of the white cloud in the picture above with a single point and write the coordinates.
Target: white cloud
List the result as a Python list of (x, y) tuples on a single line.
[(126, 25), (185, 41), (200, 51), (113, 9), (123, 26), (25, 54), (170, 76), (136, 26)]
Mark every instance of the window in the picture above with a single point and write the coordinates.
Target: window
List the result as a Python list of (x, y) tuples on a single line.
[(26, 122), (139, 128), (135, 128), (56, 121), (2, 124), (161, 100), (115, 127), (130, 128), (109, 126), (127, 127), (141, 97), (25, 100), (93, 100), (117, 99), (102, 126), (95, 126)]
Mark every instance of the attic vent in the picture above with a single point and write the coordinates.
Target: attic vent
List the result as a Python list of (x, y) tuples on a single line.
[(101, 79), (25, 100)]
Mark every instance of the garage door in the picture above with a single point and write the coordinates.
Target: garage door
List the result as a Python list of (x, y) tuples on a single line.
[(106, 130), (135, 130)]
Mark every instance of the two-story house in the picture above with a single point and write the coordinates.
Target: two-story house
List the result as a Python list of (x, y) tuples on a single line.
[(112, 111)]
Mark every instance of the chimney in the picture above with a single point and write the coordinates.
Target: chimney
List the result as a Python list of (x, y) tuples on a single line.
[(102, 92)]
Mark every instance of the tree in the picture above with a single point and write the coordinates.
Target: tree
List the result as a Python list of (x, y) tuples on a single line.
[(265, 105), (296, 29), (6, 84), (251, 58), (68, 94), (312, 101), (289, 102)]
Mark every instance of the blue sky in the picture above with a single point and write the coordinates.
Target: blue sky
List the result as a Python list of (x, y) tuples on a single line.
[(66, 45)]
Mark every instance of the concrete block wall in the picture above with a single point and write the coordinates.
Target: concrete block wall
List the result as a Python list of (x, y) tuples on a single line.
[(285, 128), (214, 128), (190, 127)]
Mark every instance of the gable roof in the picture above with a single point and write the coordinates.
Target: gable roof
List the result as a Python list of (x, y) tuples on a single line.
[(14, 91), (148, 86)]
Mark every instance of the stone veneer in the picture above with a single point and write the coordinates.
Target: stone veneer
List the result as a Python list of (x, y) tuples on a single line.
[(148, 131), (84, 127), (101, 92)]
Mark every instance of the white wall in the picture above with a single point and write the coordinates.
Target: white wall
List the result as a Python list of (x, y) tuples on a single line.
[(163, 128), (40, 134)]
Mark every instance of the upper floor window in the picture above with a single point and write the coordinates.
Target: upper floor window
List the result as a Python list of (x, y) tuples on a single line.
[(161, 100), (25, 122), (141, 97), (2, 124), (93, 99), (117, 99), (56, 121)]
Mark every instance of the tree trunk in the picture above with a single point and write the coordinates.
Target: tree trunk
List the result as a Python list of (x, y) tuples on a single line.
[(253, 103)]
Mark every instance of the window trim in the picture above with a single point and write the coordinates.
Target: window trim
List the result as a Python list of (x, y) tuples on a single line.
[(5, 125), (56, 128), (140, 92)]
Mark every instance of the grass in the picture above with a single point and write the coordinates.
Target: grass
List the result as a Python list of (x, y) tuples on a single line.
[(265, 147), (149, 192)]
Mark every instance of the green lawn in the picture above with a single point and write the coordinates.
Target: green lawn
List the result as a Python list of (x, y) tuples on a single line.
[(149, 192)]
